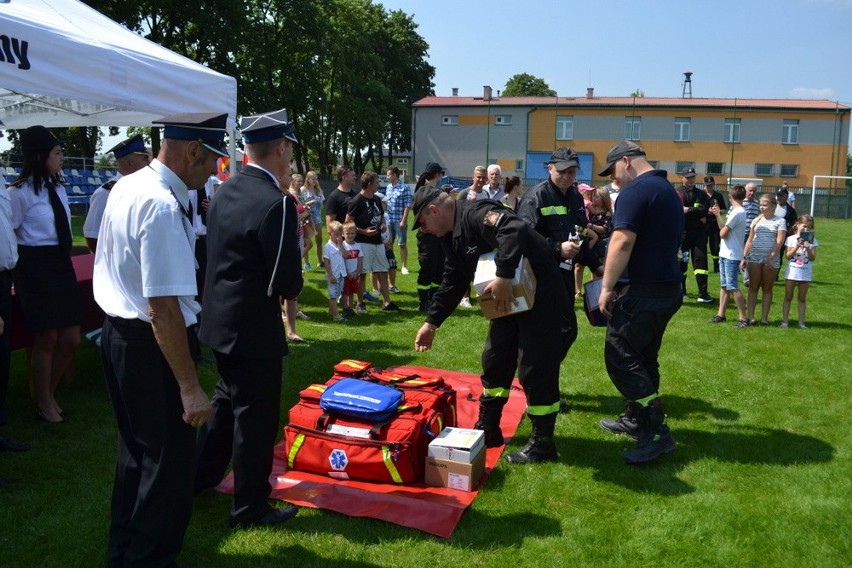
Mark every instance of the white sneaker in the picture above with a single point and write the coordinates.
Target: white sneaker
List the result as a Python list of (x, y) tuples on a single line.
[(465, 303), (404, 270)]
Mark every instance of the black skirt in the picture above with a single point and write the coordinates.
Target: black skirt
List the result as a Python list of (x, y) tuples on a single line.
[(46, 288)]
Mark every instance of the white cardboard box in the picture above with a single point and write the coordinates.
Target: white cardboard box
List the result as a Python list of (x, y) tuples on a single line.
[(458, 445), (523, 286)]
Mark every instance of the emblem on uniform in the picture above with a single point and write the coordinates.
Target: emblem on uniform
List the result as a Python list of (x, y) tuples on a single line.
[(492, 218)]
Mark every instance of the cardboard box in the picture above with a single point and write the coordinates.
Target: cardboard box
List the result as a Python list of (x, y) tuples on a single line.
[(455, 475), (523, 286), (457, 444)]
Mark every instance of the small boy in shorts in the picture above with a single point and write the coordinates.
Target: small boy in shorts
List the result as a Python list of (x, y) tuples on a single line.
[(354, 259), (335, 269)]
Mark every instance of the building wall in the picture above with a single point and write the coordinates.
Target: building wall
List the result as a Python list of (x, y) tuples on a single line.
[(476, 139)]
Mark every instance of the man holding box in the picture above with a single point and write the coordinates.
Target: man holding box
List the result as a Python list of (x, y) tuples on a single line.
[(529, 341)]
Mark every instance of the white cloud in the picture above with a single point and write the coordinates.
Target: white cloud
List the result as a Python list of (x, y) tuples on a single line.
[(811, 93)]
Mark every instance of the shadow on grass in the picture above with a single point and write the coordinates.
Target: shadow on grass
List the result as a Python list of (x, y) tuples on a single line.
[(676, 406), (733, 444)]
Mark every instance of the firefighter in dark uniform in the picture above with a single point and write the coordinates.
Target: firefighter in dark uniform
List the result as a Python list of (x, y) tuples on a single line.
[(696, 204), (430, 255), (555, 209), (713, 237), (528, 342)]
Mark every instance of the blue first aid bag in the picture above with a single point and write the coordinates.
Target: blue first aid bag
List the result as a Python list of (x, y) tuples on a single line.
[(361, 399)]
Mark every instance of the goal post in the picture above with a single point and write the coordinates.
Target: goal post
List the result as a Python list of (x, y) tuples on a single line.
[(813, 188)]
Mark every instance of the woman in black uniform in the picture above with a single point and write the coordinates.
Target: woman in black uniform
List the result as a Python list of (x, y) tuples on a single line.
[(45, 283)]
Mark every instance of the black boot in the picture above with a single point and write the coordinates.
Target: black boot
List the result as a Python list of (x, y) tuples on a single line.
[(624, 424), (490, 413), (653, 436), (540, 447)]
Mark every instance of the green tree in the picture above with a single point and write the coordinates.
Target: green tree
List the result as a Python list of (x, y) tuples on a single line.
[(638, 93), (526, 85)]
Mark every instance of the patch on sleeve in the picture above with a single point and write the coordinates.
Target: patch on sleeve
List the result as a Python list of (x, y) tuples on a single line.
[(492, 218)]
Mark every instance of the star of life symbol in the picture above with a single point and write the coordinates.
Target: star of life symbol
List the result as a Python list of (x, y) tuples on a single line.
[(338, 460)]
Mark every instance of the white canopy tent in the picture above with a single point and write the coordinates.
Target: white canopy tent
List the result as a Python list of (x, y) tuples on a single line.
[(64, 64)]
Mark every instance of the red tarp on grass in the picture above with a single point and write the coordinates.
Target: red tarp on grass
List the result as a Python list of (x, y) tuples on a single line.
[(431, 509)]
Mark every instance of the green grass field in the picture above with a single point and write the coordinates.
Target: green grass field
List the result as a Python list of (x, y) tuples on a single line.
[(759, 478)]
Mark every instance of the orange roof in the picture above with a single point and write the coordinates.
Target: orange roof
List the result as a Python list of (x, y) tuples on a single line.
[(799, 104)]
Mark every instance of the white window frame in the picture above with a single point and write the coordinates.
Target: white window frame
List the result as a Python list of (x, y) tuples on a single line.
[(632, 127), (680, 166), (564, 127), (503, 120), (402, 160), (519, 165), (450, 120), (790, 131), (682, 129), (732, 130)]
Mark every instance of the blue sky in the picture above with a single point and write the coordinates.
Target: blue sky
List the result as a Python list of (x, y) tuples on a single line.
[(746, 49)]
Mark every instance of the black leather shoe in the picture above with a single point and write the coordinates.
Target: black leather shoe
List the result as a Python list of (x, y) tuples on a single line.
[(273, 517), (7, 445)]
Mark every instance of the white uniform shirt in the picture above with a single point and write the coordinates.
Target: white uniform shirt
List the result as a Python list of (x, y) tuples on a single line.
[(8, 241), (97, 204), (32, 215), (147, 246)]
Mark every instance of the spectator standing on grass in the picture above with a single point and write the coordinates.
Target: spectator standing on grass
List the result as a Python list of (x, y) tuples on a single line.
[(529, 341), (801, 253), (474, 192), (337, 203), (732, 232), (640, 293), (353, 256), (513, 189), (44, 277), (149, 341), (387, 242), (599, 213), (399, 206), (130, 156), (335, 269), (762, 250), (366, 211), (311, 193), (254, 257), (751, 204), (494, 189)]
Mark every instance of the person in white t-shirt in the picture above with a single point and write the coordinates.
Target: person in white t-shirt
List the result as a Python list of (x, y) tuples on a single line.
[(800, 252), (732, 232)]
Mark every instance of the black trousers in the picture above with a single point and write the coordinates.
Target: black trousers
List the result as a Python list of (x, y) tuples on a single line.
[(634, 336), (5, 354), (530, 343), (568, 329), (695, 241), (242, 431), (152, 493), (431, 257)]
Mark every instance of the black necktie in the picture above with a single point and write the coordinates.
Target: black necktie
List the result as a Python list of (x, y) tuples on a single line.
[(60, 218)]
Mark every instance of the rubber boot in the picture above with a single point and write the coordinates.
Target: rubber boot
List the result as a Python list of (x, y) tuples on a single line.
[(653, 436), (625, 423), (540, 447), (490, 413)]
